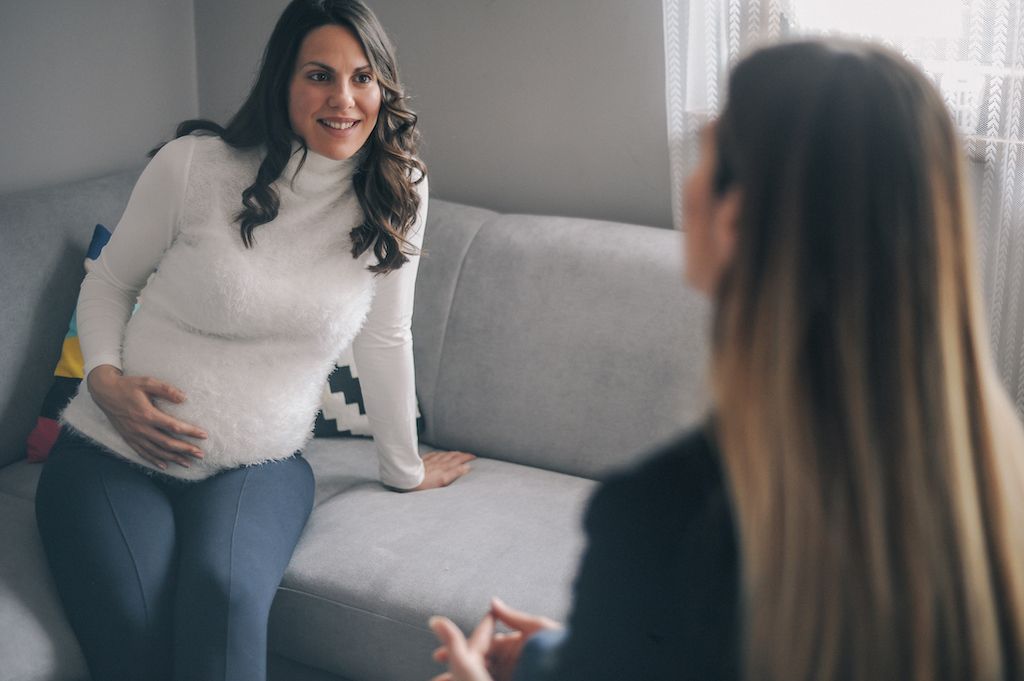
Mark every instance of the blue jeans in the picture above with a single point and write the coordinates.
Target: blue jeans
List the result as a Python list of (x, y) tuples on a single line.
[(165, 579), (539, 656)]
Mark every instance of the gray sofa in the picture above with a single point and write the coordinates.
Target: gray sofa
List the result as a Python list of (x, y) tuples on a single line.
[(557, 349)]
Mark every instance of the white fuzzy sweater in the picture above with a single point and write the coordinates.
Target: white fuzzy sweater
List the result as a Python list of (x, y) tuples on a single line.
[(249, 335)]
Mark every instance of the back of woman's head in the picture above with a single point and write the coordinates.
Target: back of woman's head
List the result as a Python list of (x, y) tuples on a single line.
[(874, 459)]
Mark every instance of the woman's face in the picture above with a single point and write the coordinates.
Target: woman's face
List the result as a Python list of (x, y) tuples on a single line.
[(709, 221), (334, 97)]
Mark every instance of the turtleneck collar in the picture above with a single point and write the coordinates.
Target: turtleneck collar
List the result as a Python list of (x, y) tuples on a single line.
[(317, 173)]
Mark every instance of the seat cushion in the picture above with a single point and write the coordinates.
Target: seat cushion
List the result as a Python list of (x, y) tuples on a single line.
[(19, 480), (36, 642), (373, 565)]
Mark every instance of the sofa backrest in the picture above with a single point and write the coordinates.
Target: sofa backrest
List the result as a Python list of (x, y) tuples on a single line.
[(45, 234), (563, 343)]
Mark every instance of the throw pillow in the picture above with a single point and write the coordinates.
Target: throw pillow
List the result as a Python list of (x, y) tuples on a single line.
[(342, 411), (68, 374)]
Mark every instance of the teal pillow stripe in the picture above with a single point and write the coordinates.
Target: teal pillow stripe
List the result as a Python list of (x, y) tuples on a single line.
[(67, 375)]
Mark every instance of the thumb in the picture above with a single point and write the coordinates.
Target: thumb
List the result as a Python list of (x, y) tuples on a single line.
[(519, 620)]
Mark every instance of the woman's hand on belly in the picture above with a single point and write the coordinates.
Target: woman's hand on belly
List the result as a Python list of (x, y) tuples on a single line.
[(128, 402)]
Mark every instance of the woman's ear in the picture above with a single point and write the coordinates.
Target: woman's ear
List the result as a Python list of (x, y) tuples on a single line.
[(725, 226)]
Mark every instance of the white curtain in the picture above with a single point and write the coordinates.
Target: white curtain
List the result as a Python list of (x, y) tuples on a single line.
[(972, 49)]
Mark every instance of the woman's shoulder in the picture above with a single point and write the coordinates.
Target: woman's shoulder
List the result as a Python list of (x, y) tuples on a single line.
[(182, 152), (421, 182), (213, 164), (693, 456), (177, 153), (211, 148)]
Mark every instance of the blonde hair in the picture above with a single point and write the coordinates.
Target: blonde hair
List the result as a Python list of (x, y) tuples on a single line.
[(873, 458)]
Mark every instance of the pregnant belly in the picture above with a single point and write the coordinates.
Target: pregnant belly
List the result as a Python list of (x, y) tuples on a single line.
[(255, 398)]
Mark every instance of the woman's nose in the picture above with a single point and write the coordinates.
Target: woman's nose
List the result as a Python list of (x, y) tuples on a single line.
[(341, 97)]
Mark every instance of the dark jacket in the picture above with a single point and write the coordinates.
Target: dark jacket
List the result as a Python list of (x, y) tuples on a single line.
[(657, 593)]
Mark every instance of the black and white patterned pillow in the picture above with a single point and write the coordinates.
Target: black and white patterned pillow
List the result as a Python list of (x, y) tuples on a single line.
[(342, 411)]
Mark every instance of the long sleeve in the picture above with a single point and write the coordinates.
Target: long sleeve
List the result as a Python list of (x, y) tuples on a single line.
[(145, 231), (383, 353)]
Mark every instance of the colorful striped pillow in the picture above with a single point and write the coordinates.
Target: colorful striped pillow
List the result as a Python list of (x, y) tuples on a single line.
[(68, 374)]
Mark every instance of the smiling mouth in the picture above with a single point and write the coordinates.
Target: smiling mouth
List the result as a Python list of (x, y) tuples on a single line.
[(336, 125)]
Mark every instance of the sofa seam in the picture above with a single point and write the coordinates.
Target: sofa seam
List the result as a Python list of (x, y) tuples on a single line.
[(349, 606), (448, 314)]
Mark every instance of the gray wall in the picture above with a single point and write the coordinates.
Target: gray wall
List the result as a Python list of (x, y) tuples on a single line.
[(539, 106), (90, 87)]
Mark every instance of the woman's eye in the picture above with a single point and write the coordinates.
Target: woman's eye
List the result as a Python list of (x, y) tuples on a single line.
[(318, 76), (364, 78)]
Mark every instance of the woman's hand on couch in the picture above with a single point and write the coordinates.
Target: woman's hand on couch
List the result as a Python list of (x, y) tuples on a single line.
[(443, 468), (128, 403), (486, 655)]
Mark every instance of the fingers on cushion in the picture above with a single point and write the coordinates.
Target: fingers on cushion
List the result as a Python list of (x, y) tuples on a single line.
[(448, 457), (452, 475)]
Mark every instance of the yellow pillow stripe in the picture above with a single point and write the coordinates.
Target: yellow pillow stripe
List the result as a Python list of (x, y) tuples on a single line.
[(71, 364)]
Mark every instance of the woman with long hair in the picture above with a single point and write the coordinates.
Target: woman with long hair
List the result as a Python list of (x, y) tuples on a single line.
[(854, 507), (175, 495)]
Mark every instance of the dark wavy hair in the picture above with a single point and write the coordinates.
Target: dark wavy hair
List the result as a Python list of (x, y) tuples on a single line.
[(388, 172)]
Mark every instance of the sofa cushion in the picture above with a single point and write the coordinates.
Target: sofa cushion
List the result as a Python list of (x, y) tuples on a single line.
[(19, 480), (373, 565), (37, 643), (571, 345)]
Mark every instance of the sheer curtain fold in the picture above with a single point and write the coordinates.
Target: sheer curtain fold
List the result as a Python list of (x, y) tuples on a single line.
[(703, 40), (973, 50)]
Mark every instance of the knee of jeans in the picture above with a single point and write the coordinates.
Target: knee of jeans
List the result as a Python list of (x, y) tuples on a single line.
[(232, 589)]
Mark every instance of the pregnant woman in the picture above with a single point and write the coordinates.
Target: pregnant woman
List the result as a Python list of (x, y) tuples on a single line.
[(176, 493)]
